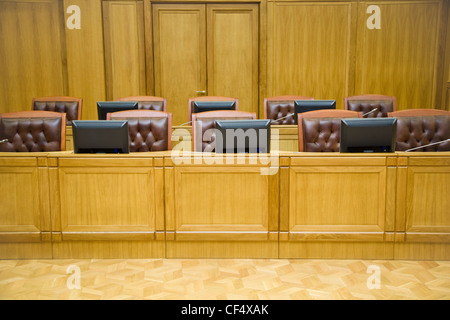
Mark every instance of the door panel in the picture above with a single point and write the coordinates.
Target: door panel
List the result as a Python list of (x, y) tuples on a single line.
[(232, 47), (180, 55)]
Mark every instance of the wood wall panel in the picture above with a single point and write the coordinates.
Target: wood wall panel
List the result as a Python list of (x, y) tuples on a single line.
[(233, 51), (179, 33), (310, 48), (123, 23), (85, 57), (32, 54), (402, 58)]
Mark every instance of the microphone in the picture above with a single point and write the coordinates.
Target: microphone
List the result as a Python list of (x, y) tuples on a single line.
[(427, 145), (290, 114), (185, 123), (373, 110), (4, 141)]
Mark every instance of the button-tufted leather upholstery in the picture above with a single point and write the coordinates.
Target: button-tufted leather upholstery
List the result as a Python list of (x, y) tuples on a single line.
[(149, 130), (419, 127), (201, 122), (280, 107), (366, 103), (33, 131), (68, 105), (320, 131), (208, 98), (148, 102)]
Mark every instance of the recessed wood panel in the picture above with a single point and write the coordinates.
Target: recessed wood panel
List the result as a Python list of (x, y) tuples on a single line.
[(31, 53), (102, 200), (85, 57), (232, 46), (401, 58), (214, 199), (340, 201), (428, 207), (310, 49), (179, 35), (124, 49)]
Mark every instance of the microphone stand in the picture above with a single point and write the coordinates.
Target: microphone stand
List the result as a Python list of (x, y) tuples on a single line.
[(427, 145)]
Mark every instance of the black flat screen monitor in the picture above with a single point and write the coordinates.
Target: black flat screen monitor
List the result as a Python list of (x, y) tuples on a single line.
[(92, 136), (105, 107), (301, 106), (202, 106), (242, 136), (368, 134)]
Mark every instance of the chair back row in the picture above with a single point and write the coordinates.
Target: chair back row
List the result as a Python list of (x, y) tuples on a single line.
[(279, 108), (319, 131), (149, 130)]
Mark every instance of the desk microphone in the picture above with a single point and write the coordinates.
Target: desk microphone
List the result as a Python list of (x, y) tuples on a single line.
[(373, 110), (185, 123), (4, 141), (290, 114), (427, 145)]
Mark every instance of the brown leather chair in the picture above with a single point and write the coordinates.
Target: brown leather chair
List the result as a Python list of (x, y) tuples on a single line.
[(149, 130), (69, 105), (280, 107), (366, 103), (419, 127), (205, 120), (209, 98), (33, 131), (148, 102), (320, 131)]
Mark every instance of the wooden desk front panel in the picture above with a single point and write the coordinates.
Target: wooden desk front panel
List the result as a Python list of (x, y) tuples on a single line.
[(337, 202), (232, 203), (24, 209), (104, 199), (423, 222), (150, 205)]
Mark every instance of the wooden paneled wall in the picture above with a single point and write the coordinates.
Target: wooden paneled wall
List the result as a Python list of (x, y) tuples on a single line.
[(311, 48)]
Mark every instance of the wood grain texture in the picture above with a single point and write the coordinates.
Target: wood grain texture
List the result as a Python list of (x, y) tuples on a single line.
[(86, 58), (318, 193), (24, 210), (309, 49), (29, 53), (349, 206), (123, 23), (220, 212), (179, 35), (233, 53), (401, 59)]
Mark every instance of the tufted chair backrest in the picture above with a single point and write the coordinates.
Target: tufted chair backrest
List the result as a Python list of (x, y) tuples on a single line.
[(148, 102), (320, 131), (201, 122), (33, 131), (419, 127), (69, 105), (281, 106), (367, 103), (149, 130)]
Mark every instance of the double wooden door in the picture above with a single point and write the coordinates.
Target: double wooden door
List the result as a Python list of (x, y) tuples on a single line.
[(206, 49)]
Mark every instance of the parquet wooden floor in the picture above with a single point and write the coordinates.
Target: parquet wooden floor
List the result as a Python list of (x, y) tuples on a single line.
[(223, 279)]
